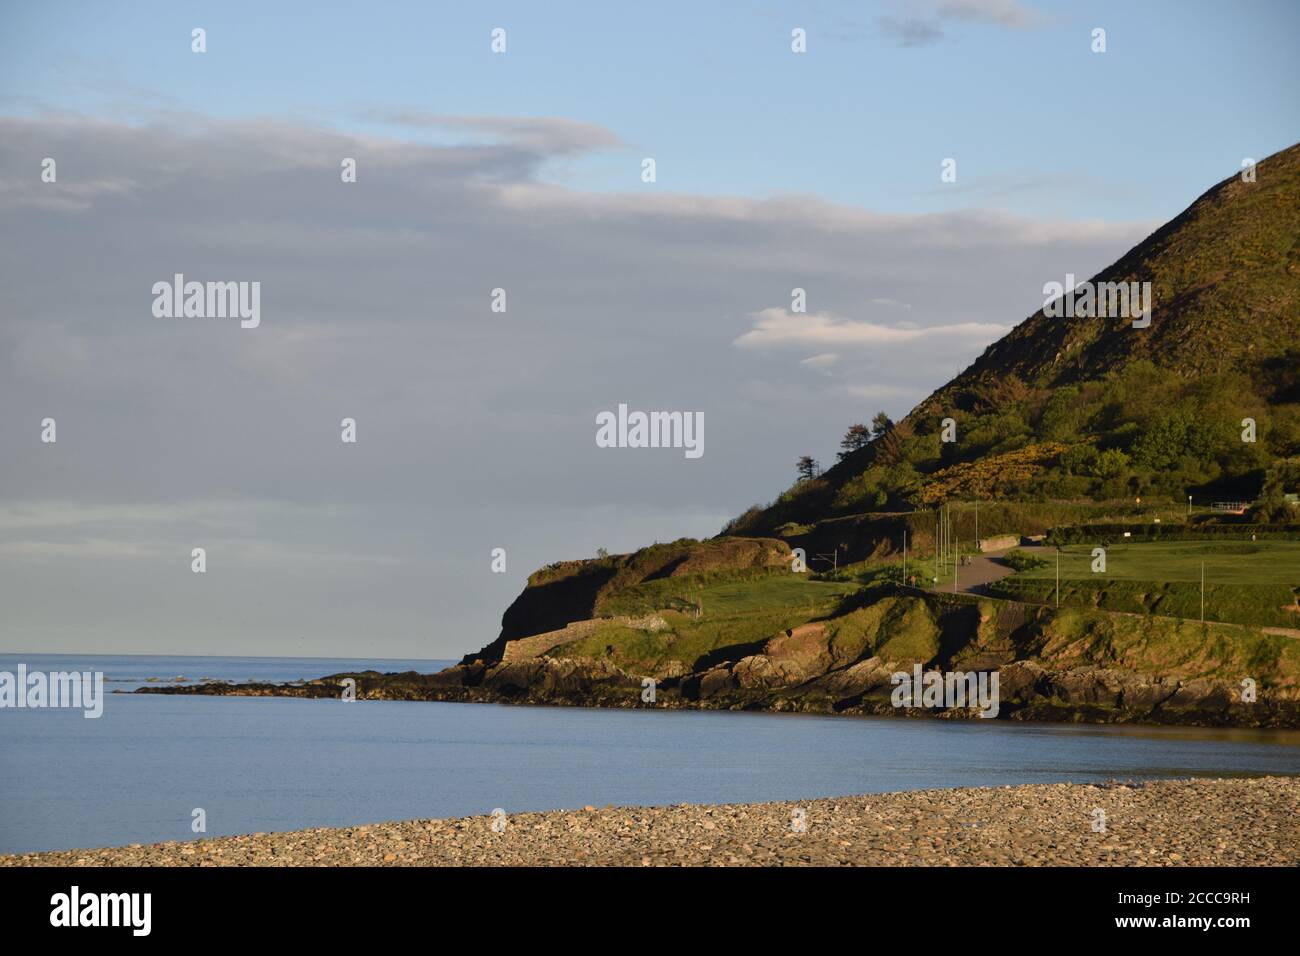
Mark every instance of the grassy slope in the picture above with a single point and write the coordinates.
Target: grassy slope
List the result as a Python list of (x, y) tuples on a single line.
[(1039, 405), (745, 612), (739, 610), (1185, 649)]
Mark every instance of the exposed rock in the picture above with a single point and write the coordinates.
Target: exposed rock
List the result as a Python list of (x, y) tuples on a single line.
[(1022, 680)]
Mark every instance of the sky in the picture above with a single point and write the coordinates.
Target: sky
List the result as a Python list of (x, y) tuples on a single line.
[(523, 170)]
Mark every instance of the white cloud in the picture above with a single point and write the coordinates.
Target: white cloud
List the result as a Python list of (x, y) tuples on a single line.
[(1006, 13), (921, 22), (778, 327), (820, 361), (546, 134), (84, 548)]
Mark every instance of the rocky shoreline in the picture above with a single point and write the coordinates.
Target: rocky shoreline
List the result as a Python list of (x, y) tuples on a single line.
[(1231, 822), (1028, 691), (1053, 664)]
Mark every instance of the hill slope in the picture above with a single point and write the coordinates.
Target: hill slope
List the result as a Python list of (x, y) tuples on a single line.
[(1050, 422), (1063, 408)]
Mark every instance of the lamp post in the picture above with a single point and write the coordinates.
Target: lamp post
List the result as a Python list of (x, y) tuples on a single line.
[(904, 557)]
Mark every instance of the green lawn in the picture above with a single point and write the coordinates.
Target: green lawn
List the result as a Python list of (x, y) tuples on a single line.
[(1226, 562), (1245, 582), (733, 611), (728, 596)]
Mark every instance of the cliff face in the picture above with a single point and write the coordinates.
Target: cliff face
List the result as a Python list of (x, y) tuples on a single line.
[(550, 604), (570, 591)]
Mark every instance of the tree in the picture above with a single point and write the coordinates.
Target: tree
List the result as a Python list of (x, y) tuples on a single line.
[(1281, 476), (1170, 438), (891, 449), (856, 437), (881, 424), (1109, 464), (807, 466)]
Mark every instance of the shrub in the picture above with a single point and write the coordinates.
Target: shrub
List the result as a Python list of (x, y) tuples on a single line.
[(1023, 560)]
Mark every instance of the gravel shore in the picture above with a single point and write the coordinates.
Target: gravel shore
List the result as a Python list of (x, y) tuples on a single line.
[(1236, 822)]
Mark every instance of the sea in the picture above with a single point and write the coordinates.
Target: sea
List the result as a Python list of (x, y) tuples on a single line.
[(139, 773)]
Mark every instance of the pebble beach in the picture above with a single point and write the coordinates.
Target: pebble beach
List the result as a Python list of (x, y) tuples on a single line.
[(1233, 822)]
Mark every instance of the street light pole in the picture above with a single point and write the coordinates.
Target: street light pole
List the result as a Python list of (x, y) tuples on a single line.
[(956, 560)]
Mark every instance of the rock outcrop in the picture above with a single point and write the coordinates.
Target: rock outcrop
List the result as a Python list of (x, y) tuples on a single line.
[(811, 669)]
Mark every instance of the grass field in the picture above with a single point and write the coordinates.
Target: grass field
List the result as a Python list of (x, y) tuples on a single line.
[(1245, 582), (726, 596), (749, 609), (1226, 562), (1248, 583)]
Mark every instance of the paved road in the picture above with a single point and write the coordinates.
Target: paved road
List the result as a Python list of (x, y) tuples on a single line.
[(983, 569)]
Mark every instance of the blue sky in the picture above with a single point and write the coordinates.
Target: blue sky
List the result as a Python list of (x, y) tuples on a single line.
[(1039, 124), (521, 171)]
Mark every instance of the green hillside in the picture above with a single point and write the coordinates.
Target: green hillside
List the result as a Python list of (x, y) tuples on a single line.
[(1080, 432), (1094, 409)]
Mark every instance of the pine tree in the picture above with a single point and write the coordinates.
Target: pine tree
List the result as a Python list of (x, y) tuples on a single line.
[(858, 436)]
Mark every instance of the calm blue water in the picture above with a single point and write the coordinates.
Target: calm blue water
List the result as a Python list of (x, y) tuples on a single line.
[(259, 764), (127, 672)]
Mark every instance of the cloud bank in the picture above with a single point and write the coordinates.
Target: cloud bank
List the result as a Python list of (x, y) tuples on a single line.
[(474, 427)]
